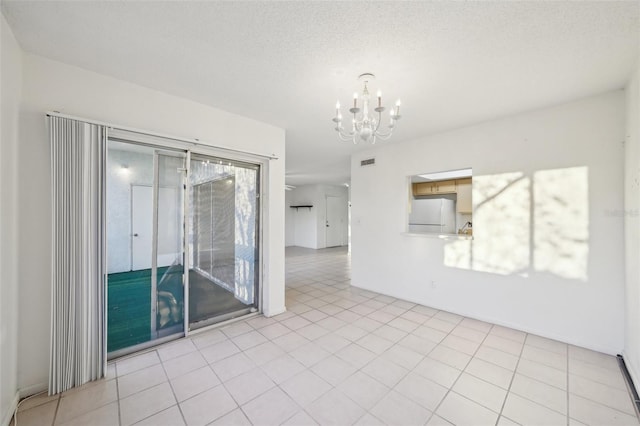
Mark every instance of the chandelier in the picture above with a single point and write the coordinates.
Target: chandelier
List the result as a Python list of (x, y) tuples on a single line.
[(365, 126)]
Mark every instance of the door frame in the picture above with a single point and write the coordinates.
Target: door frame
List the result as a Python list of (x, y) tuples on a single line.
[(262, 194), (343, 229), (259, 166)]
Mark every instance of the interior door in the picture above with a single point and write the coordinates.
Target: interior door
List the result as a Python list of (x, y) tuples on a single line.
[(336, 221), (141, 226)]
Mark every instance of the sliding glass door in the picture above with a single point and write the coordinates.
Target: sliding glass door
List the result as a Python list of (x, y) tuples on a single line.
[(153, 196), (223, 243)]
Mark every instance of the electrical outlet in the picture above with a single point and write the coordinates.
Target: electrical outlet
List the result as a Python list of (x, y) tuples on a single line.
[(433, 284)]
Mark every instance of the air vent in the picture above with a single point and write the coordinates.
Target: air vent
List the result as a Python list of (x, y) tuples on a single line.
[(368, 162)]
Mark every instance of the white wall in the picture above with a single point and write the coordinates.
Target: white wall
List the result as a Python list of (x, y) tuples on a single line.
[(290, 230), (10, 85), (632, 228), (50, 85), (309, 225), (305, 220), (548, 249)]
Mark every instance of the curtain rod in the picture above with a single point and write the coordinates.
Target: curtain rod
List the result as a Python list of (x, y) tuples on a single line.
[(194, 142)]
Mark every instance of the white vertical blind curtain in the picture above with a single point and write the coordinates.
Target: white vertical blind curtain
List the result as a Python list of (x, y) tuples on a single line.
[(78, 163)]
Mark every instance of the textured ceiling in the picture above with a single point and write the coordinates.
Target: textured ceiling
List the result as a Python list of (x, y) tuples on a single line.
[(286, 63)]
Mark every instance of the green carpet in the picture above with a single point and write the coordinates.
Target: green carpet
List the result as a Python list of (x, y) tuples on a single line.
[(129, 311), (129, 303)]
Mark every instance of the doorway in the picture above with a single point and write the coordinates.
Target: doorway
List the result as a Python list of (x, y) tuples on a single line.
[(336, 221), (167, 209), (142, 228)]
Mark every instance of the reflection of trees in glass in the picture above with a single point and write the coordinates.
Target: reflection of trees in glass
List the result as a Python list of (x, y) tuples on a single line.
[(245, 233), (244, 218)]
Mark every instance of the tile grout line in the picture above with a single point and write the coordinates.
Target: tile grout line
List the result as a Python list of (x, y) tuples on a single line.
[(498, 349), (568, 388), (456, 324), (351, 342), (239, 406), (568, 392), (55, 414), (171, 384), (542, 382), (600, 403), (513, 376), (222, 383), (391, 388), (309, 368), (354, 342), (115, 365), (433, 413)]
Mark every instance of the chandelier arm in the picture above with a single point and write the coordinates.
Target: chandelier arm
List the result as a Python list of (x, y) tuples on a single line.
[(379, 134), (379, 121), (343, 136), (384, 136)]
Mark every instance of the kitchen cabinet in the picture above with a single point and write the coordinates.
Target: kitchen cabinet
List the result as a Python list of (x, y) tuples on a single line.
[(422, 188), (433, 188), (445, 187), (463, 189)]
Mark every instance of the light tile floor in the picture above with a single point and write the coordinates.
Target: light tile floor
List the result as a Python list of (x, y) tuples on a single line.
[(341, 355)]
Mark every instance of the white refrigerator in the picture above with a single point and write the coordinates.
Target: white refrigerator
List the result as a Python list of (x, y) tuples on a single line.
[(433, 215)]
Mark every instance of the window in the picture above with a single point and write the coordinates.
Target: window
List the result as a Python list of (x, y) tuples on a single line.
[(440, 203)]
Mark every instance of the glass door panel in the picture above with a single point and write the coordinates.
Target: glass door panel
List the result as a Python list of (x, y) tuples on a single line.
[(223, 239), (169, 256), (145, 214)]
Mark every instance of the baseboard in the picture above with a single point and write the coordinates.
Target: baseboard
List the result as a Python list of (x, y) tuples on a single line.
[(276, 312), (630, 368), (21, 394), (32, 390), (626, 373), (6, 417)]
